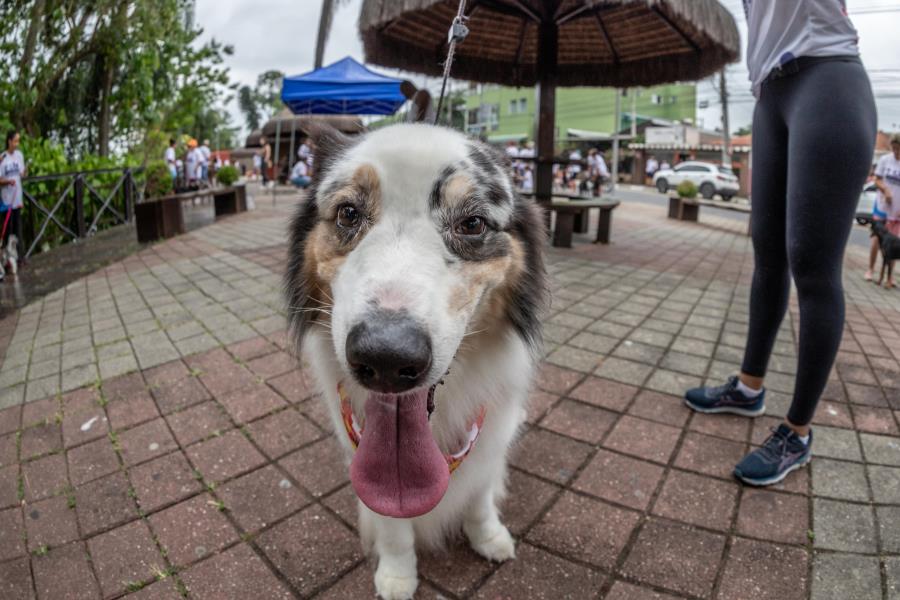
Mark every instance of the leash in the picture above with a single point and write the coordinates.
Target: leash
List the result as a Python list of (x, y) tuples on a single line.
[(458, 32), (5, 223)]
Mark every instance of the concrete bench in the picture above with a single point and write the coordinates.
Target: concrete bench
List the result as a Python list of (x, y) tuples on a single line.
[(567, 209), (688, 209), (161, 218)]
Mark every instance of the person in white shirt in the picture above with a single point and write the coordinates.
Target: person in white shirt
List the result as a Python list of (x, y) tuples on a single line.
[(172, 160), (12, 170), (205, 153), (300, 174), (528, 180), (304, 152), (664, 165), (192, 163), (652, 167), (887, 202), (813, 137)]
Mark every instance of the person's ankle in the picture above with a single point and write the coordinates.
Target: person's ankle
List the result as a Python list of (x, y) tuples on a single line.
[(748, 391), (802, 431)]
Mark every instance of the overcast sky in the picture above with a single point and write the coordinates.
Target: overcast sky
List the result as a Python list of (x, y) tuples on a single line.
[(281, 34)]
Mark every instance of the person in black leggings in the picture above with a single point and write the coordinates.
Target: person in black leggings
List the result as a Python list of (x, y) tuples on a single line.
[(813, 138)]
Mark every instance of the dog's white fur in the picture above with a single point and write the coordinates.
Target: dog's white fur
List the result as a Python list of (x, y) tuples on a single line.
[(400, 264)]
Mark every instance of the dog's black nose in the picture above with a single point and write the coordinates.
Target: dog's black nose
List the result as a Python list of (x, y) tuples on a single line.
[(389, 352)]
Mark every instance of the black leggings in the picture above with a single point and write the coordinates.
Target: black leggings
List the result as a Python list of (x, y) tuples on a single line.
[(813, 139)]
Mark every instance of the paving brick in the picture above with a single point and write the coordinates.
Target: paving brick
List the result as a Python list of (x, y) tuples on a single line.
[(588, 530), (843, 527), (164, 589), (624, 371), (675, 557), (261, 497), (579, 421), (192, 530), (834, 414), (40, 412), (91, 461), (45, 477), (83, 417), (251, 403), (538, 575), (12, 530), (145, 441), (179, 394), (627, 591), (889, 528), (575, 358), (645, 439), (605, 393), (319, 468), (198, 422), (839, 479), (697, 500), (555, 379), (15, 579), (764, 571), (662, 408), (40, 439), (64, 573), (539, 403), (126, 555), (457, 569), (8, 450), (272, 365), (221, 458), (526, 499), (881, 449), (549, 455), (892, 569), (845, 576), (50, 523), (252, 348), (620, 479), (875, 420), (885, 484), (163, 481), (294, 386), (709, 455), (10, 419), (773, 516), (310, 548), (235, 573), (104, 503)]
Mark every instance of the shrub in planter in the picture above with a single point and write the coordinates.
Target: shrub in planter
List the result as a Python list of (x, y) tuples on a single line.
[(687, 190), (227, 175), (159, 180)]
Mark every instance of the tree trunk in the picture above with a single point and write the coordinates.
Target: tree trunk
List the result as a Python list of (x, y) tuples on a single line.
[(325, 20), (105, 118), (22, 117)]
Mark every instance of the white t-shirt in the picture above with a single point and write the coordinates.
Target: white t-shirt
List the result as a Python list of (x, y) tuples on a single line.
[(204, 154), (300, 170), (12, 166), (528, 181), (888, 168), (191, 162), (782, 30), (303, 152), (170, 156), (652, 166)]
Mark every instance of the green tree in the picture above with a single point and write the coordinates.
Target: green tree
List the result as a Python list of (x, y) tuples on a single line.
[(261, 102)]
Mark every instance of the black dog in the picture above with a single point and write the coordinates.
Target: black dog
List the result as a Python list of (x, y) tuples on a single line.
[(890, 249)]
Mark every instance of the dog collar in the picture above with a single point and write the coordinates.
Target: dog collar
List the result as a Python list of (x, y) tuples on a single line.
[(354, 431)]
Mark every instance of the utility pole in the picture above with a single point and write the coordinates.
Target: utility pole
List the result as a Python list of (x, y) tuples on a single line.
[(726, 136), (615, 156)]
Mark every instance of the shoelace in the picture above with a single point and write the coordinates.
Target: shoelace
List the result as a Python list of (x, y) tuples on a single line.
[(774, 447), (727, 387)]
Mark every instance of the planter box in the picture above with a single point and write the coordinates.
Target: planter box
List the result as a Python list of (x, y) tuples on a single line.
[(158, 218), (683, 209), (230, 200)]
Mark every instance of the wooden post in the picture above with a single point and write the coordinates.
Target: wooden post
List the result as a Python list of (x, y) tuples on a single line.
[(128, 192), (78, 190), (548, 47)]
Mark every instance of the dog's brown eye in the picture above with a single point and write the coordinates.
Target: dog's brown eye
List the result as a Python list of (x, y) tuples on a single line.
[(348, 216), (470, 226)]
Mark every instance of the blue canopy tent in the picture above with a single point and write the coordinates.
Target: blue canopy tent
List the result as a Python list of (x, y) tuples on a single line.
[(342, 88)]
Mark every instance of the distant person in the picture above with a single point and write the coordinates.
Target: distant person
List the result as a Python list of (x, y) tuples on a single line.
[(300, 174), (652, 167), (664, 165), (266, 160), (512, 149), (597, 171), (12, 170), (528, 179), (304, 151), (205, 153), (813, 134), (887, 202), (172, 160), (192, 164), (257, 164)]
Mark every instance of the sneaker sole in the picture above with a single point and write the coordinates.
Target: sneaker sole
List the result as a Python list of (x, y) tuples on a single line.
[(778, 478), (733, 410)]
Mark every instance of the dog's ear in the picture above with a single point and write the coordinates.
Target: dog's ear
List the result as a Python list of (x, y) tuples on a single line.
[(500, 157), (329, 145)]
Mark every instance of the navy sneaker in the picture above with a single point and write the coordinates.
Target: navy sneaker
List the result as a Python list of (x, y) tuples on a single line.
[(782, 453), (726, 399)]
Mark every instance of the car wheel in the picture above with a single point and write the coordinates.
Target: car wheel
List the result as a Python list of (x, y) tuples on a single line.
[(707, 190), (662, 186), (727, 197)]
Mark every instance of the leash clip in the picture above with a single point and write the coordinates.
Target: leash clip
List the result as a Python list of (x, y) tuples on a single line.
[(458, 31)]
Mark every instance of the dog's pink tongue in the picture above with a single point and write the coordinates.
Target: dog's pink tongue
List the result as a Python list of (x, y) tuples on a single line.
[(398, 469)]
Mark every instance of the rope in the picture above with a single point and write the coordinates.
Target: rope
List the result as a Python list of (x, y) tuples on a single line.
[(458, 32)]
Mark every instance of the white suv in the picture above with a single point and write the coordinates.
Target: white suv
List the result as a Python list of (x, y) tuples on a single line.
[(710, 179)]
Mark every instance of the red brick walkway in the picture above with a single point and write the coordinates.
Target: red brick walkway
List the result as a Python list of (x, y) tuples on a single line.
[(196, 463)]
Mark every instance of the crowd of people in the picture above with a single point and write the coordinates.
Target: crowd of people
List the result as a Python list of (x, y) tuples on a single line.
[(192, 170), (577, 175)]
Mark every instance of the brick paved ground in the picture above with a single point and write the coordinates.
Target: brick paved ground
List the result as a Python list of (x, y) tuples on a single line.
[(156, 440)]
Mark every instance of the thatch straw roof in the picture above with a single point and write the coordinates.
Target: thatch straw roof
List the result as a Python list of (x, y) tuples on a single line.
[(617, 43), (301, 124)]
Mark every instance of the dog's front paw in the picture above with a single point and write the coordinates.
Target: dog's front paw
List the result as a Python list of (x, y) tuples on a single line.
[(392, 585), (498, 547)]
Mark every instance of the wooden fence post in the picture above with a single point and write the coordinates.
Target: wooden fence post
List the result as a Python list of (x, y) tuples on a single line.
[(79, 205), (128, 190)]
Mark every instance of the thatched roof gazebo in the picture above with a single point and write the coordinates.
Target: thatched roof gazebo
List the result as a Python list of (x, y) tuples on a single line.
[(618, 43)]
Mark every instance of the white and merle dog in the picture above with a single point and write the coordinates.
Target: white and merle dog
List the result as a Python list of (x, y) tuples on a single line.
[(413, 263)]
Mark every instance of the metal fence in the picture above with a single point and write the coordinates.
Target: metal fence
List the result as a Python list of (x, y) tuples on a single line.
[(67, 207)]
